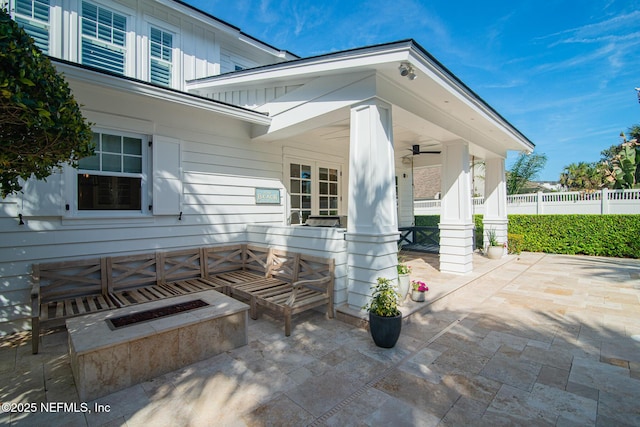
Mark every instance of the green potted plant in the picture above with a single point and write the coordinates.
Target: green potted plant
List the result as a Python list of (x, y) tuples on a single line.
[(495, 250), (385, 319)]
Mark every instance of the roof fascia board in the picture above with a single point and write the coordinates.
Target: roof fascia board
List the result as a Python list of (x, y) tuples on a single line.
[(108, 81), (421, 56), (308, 66)]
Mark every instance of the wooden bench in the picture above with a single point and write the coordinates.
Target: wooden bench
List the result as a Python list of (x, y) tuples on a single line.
[(283, 282), (311, 287), (136, 279), (66, 289)]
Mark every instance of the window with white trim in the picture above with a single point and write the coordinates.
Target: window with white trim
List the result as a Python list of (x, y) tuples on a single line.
[(114, 178), (160, 57), (33, 16), (103, 38), (314, 190)]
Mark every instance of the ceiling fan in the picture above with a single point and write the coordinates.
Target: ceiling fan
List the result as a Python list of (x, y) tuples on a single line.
[(415, 150)]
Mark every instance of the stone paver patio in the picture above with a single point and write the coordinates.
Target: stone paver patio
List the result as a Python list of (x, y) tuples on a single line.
[(529, 340)]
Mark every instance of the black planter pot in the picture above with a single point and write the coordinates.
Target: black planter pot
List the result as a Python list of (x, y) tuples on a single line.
[(385, 331)]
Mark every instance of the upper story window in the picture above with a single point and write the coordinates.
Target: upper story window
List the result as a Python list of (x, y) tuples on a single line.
[(33, 16), (161, 57), (114, 177), (103, 38)]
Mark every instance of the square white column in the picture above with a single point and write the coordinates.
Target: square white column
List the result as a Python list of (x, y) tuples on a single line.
[(456, 222), (372, 230), (495, 200)]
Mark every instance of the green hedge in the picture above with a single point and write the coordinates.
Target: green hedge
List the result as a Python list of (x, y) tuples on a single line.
[(601, 235)]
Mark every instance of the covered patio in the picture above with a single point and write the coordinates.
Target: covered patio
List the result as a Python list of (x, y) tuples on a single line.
[(527, 340), (378, 113)]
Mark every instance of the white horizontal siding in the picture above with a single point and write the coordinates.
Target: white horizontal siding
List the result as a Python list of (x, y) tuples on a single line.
[(218, 203), (221, 167)]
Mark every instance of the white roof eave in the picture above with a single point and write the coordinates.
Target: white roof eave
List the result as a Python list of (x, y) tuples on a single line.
[(82, 74), (305, 68)]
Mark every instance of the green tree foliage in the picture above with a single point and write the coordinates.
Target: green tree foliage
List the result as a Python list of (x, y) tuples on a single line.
[(41, 126), (619, 167), (581, 176), (623, 169), (525, 169)]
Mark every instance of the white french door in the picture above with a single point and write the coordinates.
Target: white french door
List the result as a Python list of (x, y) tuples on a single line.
[(314, 188)]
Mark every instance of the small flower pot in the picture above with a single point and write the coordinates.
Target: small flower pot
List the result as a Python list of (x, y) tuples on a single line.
[(403, 286), (495, 252), (417, 296)]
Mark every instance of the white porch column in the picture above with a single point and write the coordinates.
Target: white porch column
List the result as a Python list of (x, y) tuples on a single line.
[(495, 200), (456, 222), (372, 230)]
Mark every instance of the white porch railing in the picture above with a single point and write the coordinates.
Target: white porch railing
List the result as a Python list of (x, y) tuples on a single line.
[(570, 202)]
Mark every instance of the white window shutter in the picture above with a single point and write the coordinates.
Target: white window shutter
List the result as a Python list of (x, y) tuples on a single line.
[(42, 198), (167, 179)]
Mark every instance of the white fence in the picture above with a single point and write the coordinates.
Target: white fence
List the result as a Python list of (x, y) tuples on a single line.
[(571, 202)]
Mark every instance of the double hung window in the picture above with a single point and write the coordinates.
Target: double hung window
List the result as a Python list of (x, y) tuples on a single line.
[(103, 38), (33, 16), (114, 177), (161, 57)]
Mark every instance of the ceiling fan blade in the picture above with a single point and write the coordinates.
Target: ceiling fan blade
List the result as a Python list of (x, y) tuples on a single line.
[(415, 150)]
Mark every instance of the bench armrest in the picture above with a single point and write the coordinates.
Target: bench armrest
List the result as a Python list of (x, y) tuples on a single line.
[(35, 300), (35, 290), (306, 283)]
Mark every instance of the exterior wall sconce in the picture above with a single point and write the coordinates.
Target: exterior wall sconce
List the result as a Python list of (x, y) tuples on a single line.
[(406, 70)]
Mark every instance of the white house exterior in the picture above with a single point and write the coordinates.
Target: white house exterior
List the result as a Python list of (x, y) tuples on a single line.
[(193, 119)]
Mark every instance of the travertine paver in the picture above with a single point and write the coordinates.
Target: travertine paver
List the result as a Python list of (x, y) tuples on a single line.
[(547, 340)]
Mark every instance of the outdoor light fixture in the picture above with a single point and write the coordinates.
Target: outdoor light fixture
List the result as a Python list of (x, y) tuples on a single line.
[(406, 70)]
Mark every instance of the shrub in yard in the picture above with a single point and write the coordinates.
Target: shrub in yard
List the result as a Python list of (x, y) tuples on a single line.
[(601, 235), (515, 242)]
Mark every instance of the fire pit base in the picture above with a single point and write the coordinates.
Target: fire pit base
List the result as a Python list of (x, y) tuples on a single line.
[(104, 360)]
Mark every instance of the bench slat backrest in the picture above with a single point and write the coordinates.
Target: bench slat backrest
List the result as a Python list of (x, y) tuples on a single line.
[(180, 265), (68, 279), (220, 259), (131, 271), (283, 265), (256, 259), (313, 267)]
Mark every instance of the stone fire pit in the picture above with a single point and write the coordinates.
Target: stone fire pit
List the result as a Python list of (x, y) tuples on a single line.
[(105, 359)]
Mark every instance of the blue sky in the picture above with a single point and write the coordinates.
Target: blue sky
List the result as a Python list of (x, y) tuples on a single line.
[(562, 72)]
